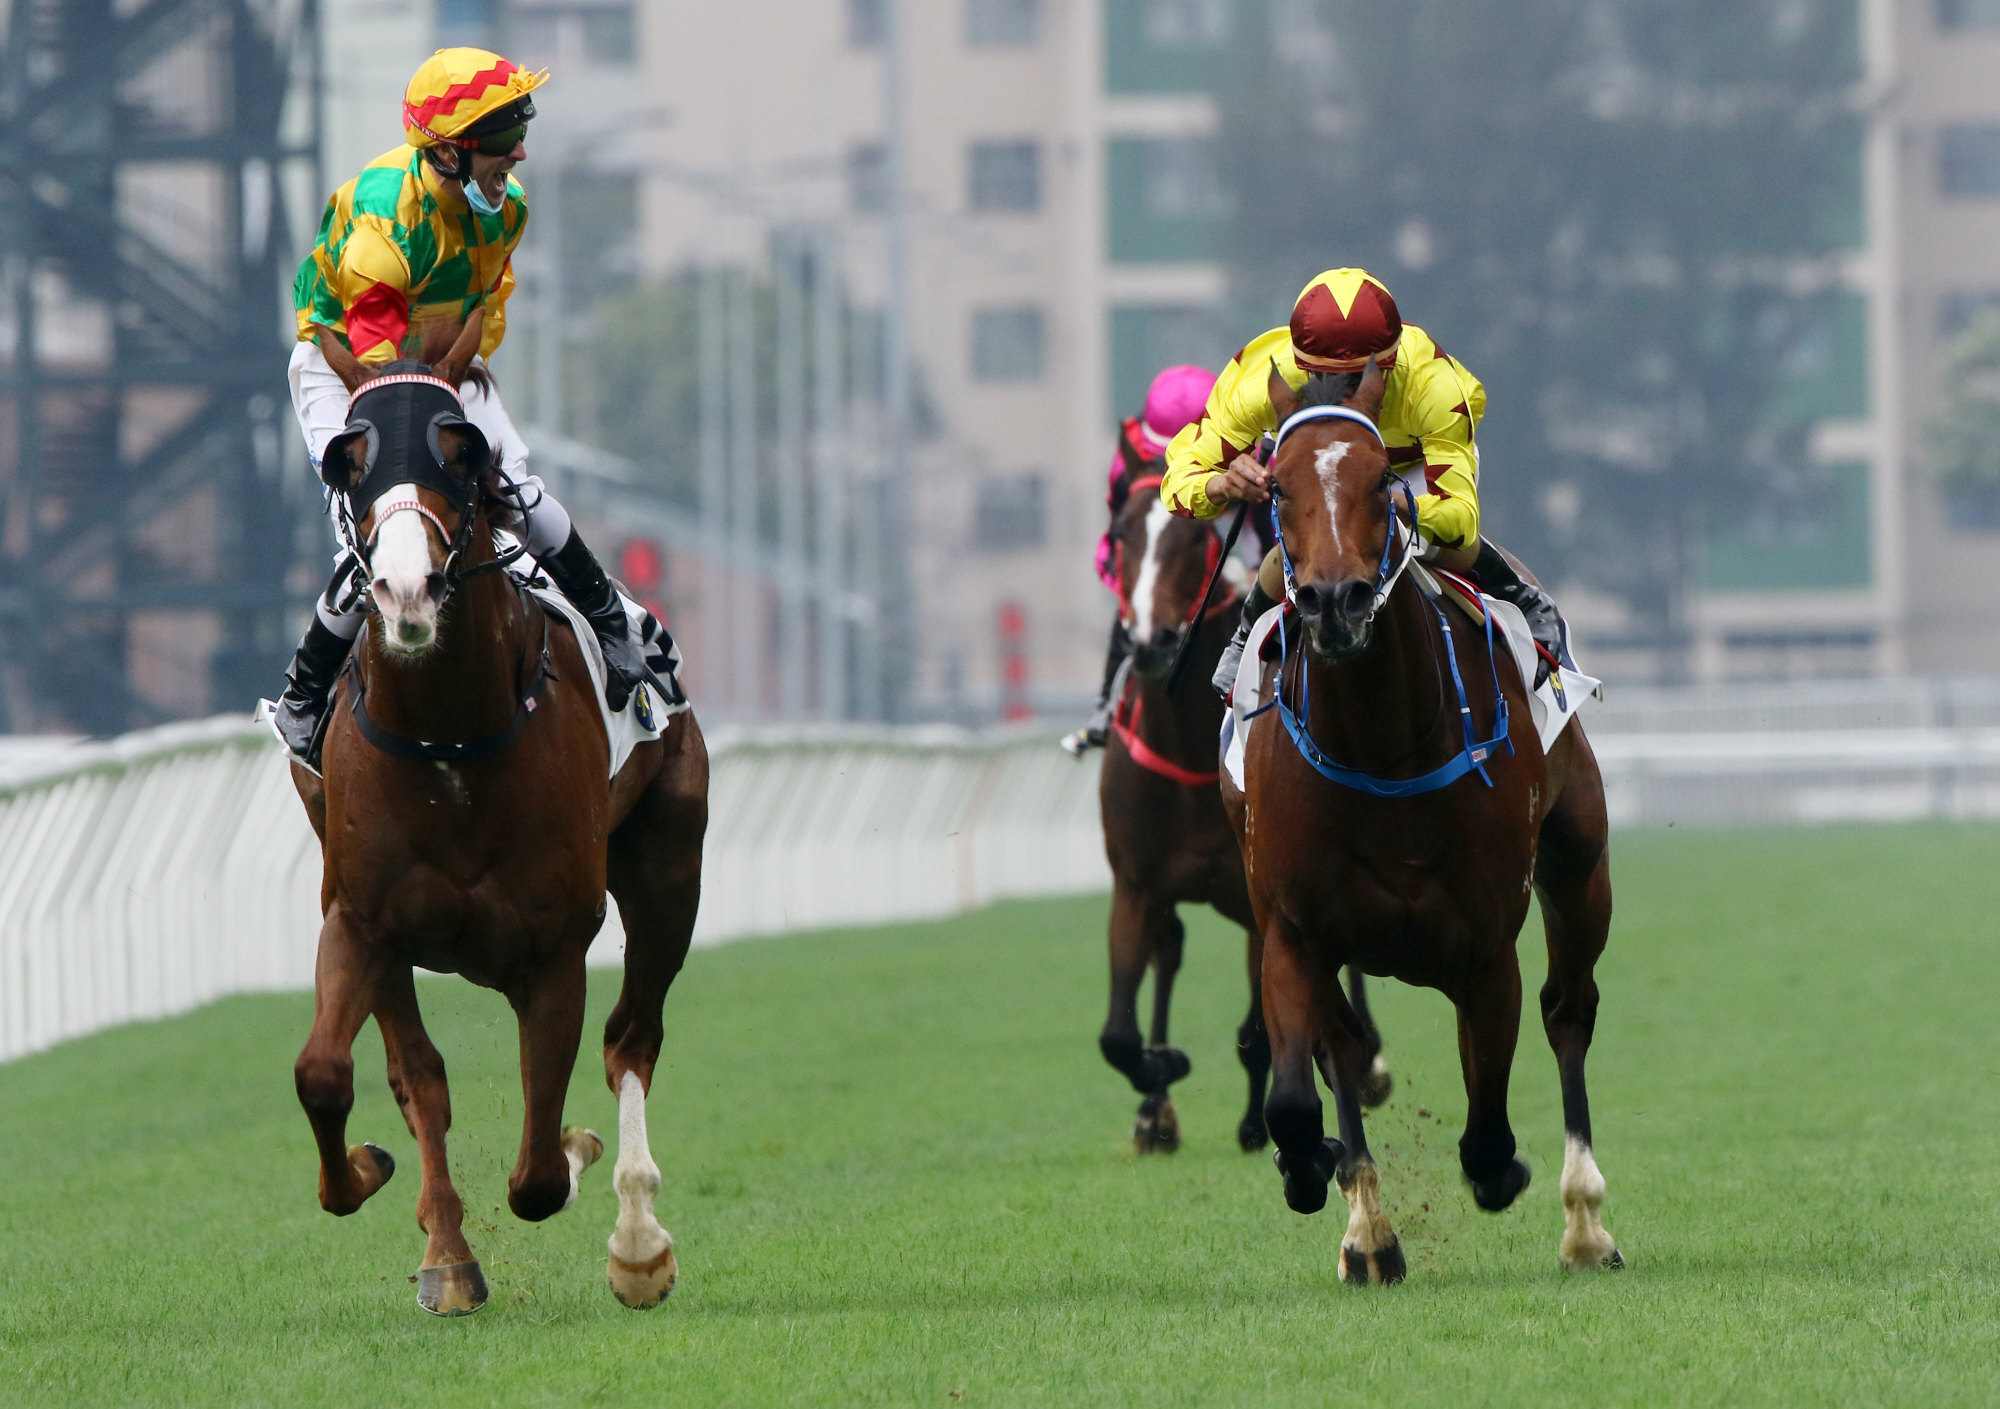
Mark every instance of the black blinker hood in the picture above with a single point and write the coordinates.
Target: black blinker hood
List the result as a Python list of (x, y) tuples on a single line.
[(400, 423)]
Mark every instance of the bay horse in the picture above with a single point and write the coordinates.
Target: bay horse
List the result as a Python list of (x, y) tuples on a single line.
[(469, 824), (1362, 850), (1166, 835)]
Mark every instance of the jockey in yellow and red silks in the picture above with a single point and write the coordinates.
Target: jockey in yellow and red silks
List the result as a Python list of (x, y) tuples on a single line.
[(420, 241), (1431, 408)]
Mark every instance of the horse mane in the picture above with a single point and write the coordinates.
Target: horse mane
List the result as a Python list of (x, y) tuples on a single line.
[(1329, 388)]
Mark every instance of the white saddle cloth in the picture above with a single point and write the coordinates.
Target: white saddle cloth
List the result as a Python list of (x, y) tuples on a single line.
[(1559, 700), (645, 714)]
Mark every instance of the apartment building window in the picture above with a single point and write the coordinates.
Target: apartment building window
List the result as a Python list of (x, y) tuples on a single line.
[(1005, 176), (1969, 161), (867, 23), (1968, 14), (1007, 513), (868, 178), (1001, 22), (1960, 310), (1186, 24), (606, 36), (1165, 199), (1147, 337), (1007, 344)]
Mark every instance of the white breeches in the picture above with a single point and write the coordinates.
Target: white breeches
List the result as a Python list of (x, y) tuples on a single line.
[(320, 400)]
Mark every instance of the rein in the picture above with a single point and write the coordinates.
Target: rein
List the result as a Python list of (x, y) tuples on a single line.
[(401, 746), (1474, 753)]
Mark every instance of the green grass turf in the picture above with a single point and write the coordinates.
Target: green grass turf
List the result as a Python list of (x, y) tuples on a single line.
[(898, 1173)]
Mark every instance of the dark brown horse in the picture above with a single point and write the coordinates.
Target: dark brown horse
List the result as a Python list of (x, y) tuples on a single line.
[(469, 825), (1430, 887), (1165, 832)]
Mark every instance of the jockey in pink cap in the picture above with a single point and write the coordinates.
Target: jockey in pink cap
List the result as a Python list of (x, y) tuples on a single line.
[(1176, 399)]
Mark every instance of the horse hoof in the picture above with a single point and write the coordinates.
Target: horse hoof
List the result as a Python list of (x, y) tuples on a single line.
[(1305, 1189), (1498, 1192), (1251, 1133), (1157, 1131), (643, 1285), (455, 1289), (1375, 1084), (384, 1161), (584, 1143), (1373, 1269)]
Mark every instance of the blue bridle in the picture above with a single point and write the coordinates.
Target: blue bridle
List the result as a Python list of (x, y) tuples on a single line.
[(1472, 757)]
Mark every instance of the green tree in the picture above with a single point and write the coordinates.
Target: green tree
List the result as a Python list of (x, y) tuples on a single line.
[(1624, 215), (1965, 427)]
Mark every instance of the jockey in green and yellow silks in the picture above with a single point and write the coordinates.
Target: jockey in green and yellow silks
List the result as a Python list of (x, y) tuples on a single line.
[(421, 242), (1431, 408)]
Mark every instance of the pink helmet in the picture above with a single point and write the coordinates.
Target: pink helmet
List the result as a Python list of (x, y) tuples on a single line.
[(1177, 398)]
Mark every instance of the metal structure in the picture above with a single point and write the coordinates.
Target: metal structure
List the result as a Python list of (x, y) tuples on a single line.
[(152, 159)]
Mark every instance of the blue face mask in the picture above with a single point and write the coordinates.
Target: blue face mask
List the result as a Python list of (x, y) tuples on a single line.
[(475, 196)]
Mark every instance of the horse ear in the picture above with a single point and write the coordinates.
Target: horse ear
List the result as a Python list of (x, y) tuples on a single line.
[(1127, 452), (1367, 398), (1283, 399), (348, 456), (464, 347)]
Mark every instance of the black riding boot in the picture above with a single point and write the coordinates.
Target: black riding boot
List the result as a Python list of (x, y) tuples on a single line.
[(1255, 604), (1091, 735), (576, 572), (1493, 573), (301, 713)]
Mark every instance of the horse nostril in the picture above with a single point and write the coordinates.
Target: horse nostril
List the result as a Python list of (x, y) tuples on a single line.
[(1163, 639), (1352, 598), (1309, 599), (434, 585)]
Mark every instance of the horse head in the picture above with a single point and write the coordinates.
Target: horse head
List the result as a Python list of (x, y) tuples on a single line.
[(1162, 563), (415, 475), (1334, 490)]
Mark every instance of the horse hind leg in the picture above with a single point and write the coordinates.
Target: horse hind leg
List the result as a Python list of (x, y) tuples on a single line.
[(655, 875), (324, 1073), (450, 1282), (1574, 882), (1377, 1083)]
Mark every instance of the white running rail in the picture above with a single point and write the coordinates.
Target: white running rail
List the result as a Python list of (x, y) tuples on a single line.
[(159, 871)]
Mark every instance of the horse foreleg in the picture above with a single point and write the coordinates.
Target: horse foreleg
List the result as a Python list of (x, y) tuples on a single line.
[(1253, 1049), (1573, 878), (1489, 1022), (1138, 930), (1305, 1157), (343, 992), (450, 1282), (1158, 1127), (1369, 1251), (1375, 1083), (549, 1009)]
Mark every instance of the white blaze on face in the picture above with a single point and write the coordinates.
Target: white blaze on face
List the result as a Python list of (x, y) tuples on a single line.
[(1157, 518), (1326, 463), (401, 558)]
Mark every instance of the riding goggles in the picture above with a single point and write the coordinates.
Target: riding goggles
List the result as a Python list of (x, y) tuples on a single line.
[(499, 144)]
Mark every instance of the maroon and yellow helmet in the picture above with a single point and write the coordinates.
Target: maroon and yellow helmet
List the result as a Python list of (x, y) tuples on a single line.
[(1343, 318)]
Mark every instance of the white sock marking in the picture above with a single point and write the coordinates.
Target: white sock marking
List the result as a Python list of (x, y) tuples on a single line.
[(1368, 1229), (638, 1238), (1586, 1242)]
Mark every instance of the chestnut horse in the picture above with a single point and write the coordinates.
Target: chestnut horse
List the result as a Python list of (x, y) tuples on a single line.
[(470, 825), (1165, 833), (1362, 849)]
